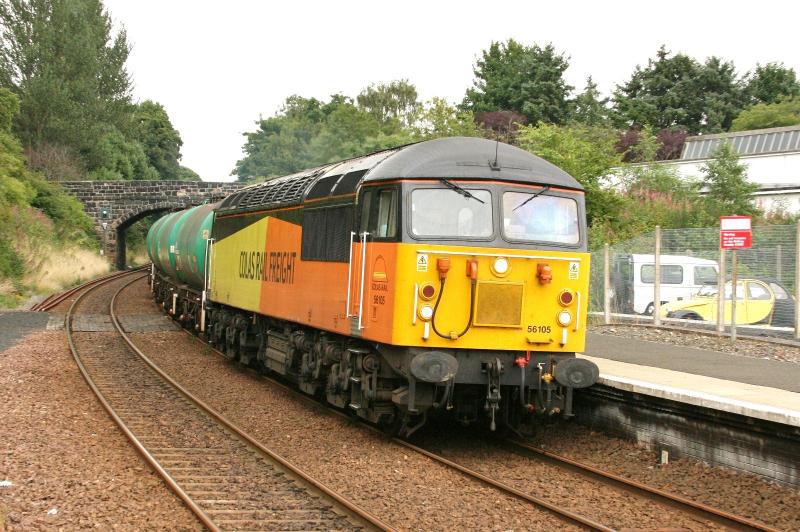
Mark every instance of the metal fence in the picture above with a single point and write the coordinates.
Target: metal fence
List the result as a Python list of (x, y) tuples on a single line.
[(676, 275)]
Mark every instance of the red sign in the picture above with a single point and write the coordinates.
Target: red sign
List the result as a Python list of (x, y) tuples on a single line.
[(735, 232)]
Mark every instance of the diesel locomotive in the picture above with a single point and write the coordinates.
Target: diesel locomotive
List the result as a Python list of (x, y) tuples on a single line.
[(447, 277)]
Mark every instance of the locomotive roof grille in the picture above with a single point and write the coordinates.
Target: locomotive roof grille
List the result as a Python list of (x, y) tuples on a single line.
[(452, 158)]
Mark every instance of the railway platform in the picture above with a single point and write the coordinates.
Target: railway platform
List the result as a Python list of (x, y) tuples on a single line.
[(752, 387)]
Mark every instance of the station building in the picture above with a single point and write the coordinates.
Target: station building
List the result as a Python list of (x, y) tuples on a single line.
[(772, 157)]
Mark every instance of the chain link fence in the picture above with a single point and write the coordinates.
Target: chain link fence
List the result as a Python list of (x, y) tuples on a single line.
[(693, 271)]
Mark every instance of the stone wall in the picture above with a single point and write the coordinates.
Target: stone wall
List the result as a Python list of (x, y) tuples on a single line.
[(125, 202)]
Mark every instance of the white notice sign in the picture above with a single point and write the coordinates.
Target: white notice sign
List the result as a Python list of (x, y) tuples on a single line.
[(422, 262)]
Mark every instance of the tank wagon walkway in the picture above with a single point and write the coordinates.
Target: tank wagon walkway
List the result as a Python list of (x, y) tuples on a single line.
[(752, 387)]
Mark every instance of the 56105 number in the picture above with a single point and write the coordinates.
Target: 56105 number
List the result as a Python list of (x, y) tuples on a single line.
[(539, 329)]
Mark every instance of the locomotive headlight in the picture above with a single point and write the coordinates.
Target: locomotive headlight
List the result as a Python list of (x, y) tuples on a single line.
[(500, 266), (425, 312), (564, 318)]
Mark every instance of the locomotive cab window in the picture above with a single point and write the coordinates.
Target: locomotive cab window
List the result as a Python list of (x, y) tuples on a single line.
[(538, 217), (379, 213), (447, 213)]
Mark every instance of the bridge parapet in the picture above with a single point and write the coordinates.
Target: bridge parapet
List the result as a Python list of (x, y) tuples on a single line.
[(116, 205)]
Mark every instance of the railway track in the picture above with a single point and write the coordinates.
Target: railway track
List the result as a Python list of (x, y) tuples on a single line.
[(626, 487), (230, 481), (54, 300), (703, 511)]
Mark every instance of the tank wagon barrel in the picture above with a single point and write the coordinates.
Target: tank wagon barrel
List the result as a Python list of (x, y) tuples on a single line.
[(176, 244), (447, 277)]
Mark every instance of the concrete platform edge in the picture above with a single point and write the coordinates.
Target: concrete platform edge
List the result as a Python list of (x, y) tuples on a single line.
[(715, 402)]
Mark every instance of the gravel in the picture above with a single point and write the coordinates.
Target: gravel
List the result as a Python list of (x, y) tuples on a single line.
[(402, 488), (65, 464), (612, 507), (333, 449), (68, 465), (743, 347), (736, 492)]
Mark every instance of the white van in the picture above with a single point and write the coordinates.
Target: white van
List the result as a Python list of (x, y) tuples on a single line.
[(633, 280)]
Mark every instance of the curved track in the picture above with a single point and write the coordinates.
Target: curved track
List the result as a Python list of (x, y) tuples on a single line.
[(224, 476), (54, 300), (625, 487)]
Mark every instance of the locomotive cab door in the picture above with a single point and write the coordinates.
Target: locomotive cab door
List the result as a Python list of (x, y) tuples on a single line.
[(378, 223)]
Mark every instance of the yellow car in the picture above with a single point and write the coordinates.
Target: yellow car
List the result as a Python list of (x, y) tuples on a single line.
[(761, 301)]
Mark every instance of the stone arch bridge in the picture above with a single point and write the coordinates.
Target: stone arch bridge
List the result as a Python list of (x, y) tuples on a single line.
[(116, 205)]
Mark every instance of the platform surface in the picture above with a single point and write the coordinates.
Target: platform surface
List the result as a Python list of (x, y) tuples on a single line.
[(753, 387), (15, 325)]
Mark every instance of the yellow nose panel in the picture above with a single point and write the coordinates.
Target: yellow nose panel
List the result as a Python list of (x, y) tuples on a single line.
[(499, 304)]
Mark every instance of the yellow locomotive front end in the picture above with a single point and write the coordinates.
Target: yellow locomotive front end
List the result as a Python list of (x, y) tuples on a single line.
[(479, 298), (477, 295)]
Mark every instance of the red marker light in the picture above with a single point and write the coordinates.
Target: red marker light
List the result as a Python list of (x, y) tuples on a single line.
[(565, 298), (427, 291)]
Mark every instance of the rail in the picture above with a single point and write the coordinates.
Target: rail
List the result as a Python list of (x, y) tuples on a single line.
[(134, 410)]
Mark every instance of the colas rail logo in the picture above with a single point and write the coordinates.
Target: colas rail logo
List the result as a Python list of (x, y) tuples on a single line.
[(272, 267)]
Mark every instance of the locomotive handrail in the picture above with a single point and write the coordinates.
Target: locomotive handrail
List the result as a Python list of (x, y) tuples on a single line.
[(363, 279), (206, 284), (503, 254), (577, 312), (349, 275)]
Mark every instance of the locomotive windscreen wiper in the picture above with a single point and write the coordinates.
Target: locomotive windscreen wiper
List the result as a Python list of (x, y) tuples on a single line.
[(464, 192), (545, 189)]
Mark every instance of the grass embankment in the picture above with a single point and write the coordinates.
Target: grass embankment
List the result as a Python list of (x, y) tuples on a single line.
[(54, 268)]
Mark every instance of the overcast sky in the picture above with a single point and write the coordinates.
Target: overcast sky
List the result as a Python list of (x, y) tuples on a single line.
[(217, 66)]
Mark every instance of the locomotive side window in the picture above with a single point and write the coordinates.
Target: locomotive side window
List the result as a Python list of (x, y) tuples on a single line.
[(443, 213), (379, 213), (540, 218), (386, 225), (366, 208)]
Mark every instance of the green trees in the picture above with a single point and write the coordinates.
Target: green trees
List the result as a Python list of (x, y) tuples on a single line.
[(679, 92), (526, 79), (59, 57), (440, 119), (519, 96), (307, 132), (303, 134), (727, 191), (771, 83), (764, 115), (160, 140), (31, 209), (588, 107), (392, 101), (68, 70)]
